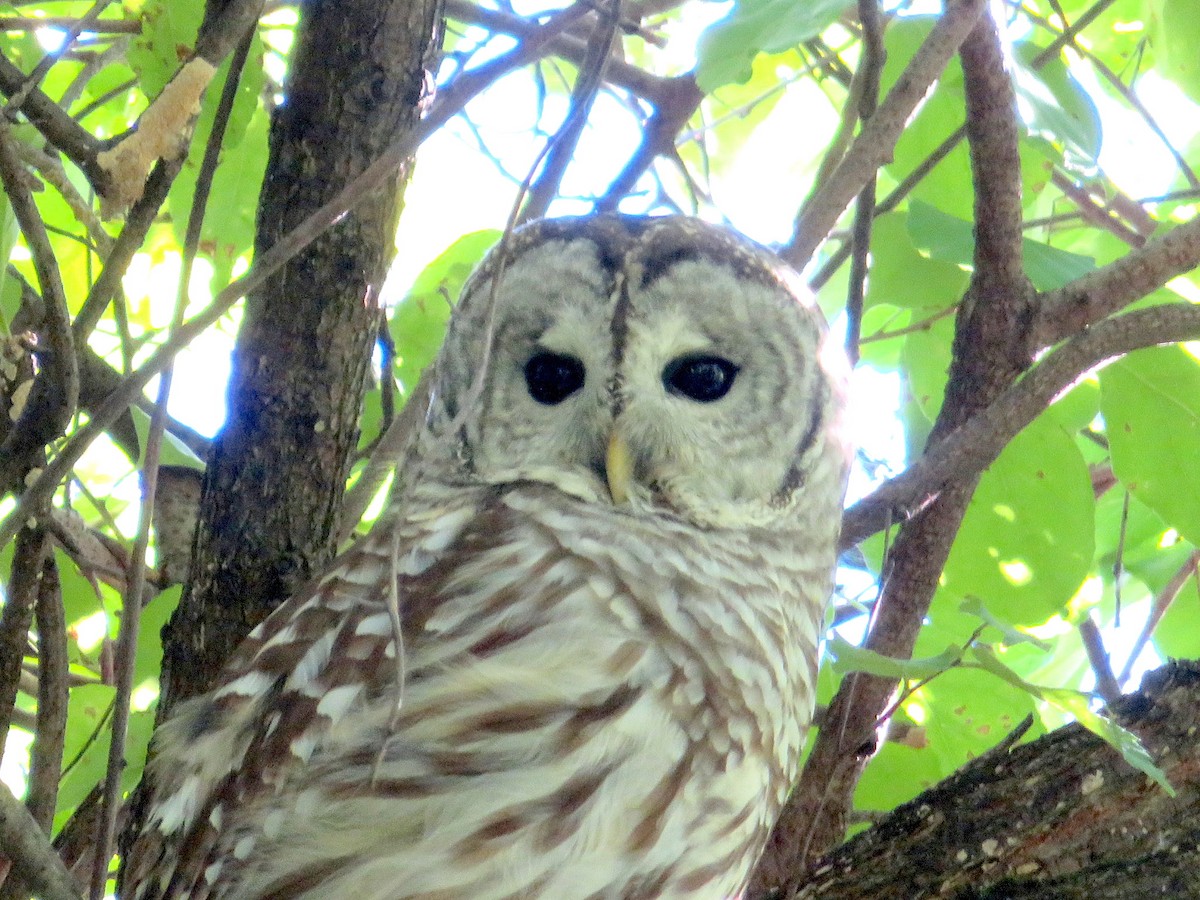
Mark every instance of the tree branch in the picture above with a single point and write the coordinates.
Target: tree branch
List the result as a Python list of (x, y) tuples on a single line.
[(54, 123), (55, 392), (962, 455), (33, 860), (1061, 817), (1060, 313), (990, 322), (876, 141)]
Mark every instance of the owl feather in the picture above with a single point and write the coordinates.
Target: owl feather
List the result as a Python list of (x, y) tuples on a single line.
[(576, 658)]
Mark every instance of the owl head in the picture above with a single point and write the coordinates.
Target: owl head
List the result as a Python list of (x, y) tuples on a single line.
[(660, 365)]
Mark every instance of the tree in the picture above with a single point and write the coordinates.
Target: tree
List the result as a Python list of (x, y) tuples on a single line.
[(961, 227)]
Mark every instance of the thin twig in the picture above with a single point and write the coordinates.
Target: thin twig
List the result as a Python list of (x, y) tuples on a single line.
[(56, 389), (920, 325), (17, 99), (867, 90), (55, 125), (583, 96), (1093, 644), (1162, 602), (131, 239), (97, 26), (875, 142)]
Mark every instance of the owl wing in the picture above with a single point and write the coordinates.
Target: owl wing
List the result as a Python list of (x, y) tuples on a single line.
[(294, 677)]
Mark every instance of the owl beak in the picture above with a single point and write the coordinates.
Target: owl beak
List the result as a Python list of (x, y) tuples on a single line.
[(618, 468)]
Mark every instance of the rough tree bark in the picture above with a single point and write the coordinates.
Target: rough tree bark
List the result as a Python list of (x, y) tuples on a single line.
[(275, 477), (1060, 818)]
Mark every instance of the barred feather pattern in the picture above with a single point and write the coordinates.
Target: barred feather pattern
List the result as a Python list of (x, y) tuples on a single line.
[(526, 682), (586, 713)]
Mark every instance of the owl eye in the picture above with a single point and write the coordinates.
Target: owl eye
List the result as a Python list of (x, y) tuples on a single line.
[(700, 378), (553, 377)]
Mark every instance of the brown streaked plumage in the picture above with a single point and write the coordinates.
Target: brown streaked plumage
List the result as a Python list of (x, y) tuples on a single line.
[(576, 658)]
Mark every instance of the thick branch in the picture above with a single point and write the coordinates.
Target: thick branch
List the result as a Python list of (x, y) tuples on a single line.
[(1061, 817), (17, 615), (33, 861), (1085, 300)]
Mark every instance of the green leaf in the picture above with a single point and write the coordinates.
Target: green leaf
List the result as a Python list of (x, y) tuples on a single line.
[(738, 109), (1151, 406), (85, 745), (1057, 107), (897, 774), (169, 29), (948, 184), (10, 289), (1175, 34), (1078, 407), (1078, 706), (965, 712), (901, 276), (80, 596), (1026, 542), (727, 48), (1178, 632), (926, 362), (849, 658), (172, 451), (973, 606), (418, 322), (878, 319), (155, 615), (1124, 742), (952, 239), (229, 217)]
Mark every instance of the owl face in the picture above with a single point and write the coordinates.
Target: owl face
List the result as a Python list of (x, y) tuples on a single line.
[(653, 364)]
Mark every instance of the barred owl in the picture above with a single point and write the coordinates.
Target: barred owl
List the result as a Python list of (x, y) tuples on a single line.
[(576, 658)]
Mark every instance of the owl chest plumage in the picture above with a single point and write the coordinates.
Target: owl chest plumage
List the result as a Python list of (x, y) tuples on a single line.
[(579, 707), (577, 658)]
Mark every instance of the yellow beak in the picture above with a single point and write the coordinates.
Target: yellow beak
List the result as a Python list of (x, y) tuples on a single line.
[(618, 467)]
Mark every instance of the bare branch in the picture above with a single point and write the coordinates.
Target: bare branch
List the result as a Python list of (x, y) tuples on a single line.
[(866, 87), (1093, 644), (1063, 816), (17, 615), (55, 392), (583, 95), (1060, 313), (1162, 602), (55, 124), (53, 679), (970, 449), (33, 861), (878, 138)]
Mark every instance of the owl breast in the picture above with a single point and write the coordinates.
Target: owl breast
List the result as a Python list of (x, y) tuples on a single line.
[(590, 710), (576, 657)]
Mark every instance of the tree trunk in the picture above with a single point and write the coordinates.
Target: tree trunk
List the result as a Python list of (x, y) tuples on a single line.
[(275, 477)]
